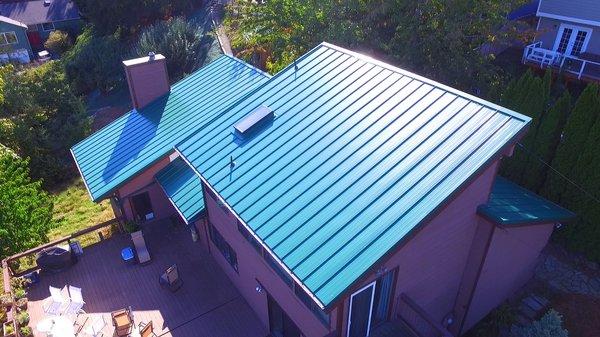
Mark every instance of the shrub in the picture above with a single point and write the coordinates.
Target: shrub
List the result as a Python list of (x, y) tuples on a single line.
[(550, 325), (184, 45), (22, 318), (131, 226), (20, 293), (26, 331), (58, 42), (94, 62)]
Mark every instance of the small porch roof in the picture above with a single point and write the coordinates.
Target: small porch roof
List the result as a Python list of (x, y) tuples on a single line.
[(183, 188), (511, 204)]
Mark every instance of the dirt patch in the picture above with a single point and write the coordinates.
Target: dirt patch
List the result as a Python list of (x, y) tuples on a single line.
[(580, 314)]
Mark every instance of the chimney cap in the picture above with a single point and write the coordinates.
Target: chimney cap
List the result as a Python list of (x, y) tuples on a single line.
[(142, 60), (151, 56)]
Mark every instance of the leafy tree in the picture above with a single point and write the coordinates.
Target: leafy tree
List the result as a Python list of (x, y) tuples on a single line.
[(25, 209), (128, 16), (94, 62), (43, 118), (550, 325), (58, 42), (574, 136), (546, 141), (184, 45)]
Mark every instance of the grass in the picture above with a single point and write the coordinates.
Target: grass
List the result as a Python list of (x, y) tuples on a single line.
[(74, 210)]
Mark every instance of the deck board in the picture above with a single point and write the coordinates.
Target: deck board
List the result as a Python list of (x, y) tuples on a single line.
[(207, 305)]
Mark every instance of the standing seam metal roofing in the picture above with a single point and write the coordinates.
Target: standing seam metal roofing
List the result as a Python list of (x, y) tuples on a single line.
[(183, 188), (118, 152), (511, 204), (360, 153)]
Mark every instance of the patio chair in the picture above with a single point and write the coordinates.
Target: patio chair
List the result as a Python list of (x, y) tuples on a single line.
[(122, 320), (76, 303), (95, 329), (141, 250), (170, 278), (57, 302), (146, 330)]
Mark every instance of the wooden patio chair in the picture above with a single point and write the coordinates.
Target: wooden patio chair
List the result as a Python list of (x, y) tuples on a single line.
[(170, 278), (141, 250), (122, 320), (146, 330)]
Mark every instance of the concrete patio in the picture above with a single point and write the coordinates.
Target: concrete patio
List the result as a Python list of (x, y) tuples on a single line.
[(206, 305)]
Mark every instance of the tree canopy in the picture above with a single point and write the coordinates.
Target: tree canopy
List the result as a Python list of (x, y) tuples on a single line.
[(25, 209)]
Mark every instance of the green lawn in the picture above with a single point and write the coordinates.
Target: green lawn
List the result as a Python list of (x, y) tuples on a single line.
[(74, 210)]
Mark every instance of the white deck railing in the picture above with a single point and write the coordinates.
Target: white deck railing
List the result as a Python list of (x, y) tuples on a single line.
[(545, 57)]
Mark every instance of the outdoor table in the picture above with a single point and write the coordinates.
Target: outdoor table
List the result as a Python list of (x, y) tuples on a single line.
[(56, 326)]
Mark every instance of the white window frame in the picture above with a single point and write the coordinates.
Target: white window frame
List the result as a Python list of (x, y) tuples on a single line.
[(372, 284), (46, 23), (6, 39), (575, 29)]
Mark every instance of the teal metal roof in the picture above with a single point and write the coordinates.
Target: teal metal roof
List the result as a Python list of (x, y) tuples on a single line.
[(511, 204), (357, 157), (118, 152), (183, 188)]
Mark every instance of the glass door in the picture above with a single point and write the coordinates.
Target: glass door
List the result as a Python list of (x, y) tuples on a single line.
[(280, 325), (572, 40)]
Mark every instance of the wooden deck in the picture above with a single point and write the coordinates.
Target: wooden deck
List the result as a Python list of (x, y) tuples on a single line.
[(207, 304)]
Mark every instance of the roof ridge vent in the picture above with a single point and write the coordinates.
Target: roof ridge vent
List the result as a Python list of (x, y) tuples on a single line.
[(254, 122)]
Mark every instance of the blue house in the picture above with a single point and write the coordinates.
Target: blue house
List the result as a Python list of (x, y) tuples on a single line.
[(14, 45)]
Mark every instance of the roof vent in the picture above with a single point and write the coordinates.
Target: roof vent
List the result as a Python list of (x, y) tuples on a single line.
[(47, 2), (254, 121)]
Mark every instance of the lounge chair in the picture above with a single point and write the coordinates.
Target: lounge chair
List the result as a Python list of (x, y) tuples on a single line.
[(146, 330), (170, 278), (76, 304), (95, 329), (57, 303), (141, 250)]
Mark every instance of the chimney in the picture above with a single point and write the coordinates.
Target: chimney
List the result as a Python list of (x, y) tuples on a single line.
[(147, 79)]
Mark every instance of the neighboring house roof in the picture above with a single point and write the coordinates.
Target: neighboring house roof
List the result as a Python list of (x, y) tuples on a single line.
[(34, 12), (511, 204), (359, 155), (525, 11), (118, 152), (580, 11), (12, 22), (183, 188)]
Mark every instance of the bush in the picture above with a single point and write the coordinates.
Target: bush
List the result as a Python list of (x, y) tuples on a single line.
[(58, 42), (550, 325), (184, 45), (94, 62), (26, 331), (23, 318), (131, 226)]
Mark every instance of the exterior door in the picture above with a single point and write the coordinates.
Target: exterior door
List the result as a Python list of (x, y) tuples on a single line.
[(572, 40), (361, 308), (142, 207), (280, 324)]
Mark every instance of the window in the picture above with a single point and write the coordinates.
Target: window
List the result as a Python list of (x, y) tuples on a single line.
[(48, 26), (277, 268), (223, 247), (8, 38), (250, 238)]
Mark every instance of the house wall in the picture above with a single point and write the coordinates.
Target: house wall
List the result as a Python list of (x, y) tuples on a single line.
[(23, 42), (549, 28), (430, 265), (509, 264), (252, 269), (145, 182)]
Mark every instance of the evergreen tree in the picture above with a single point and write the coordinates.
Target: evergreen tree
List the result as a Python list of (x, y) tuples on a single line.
[(546, 140), (573, 140)]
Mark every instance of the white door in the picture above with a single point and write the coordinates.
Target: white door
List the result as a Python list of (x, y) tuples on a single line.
[(572, 40), (361, 308)]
